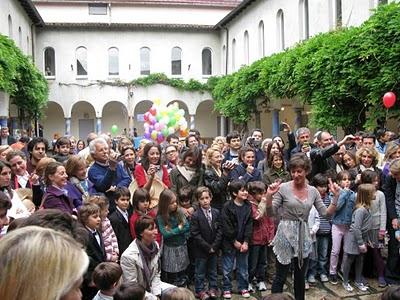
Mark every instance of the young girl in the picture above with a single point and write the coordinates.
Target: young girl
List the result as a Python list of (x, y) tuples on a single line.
[(141, 203), (378, 227), (341, 221), (355, 243), (174, 229), (107, 232)]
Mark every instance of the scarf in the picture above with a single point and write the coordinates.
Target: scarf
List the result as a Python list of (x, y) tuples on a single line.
[(147, 254), (187, 172), (82, 186)]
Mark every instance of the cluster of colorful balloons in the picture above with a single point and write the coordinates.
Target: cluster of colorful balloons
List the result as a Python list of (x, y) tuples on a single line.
[(160, 121)]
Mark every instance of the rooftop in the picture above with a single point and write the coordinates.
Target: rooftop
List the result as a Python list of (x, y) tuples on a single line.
[(206, 3)]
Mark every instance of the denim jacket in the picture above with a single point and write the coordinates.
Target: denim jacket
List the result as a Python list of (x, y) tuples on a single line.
[(344, 208)]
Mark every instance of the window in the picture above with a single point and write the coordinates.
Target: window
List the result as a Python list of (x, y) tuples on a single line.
[(176, 61), (381, 2), (234, 55), (20, 37), (10, 27), (223, 60), (97, 9), (206, 61), (113, 61), (339, 16), (81, 61), (304, 20), (144, 61), (280, 27), (261, 40), (246, 47), (49, 62)]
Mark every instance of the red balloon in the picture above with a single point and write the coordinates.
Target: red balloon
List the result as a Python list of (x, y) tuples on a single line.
[(153, 110), (389, 99)]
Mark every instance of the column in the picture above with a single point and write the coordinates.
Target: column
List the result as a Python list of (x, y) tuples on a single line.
[(98, 125), (222, 122), (191, 122), (67, 126), (297, 122), (275, 122)]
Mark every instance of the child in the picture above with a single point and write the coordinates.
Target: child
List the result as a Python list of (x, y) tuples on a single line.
[(319, 265), (313, 226), (129, 291), (62, 146), (141, 204), (206, 233), (89, 216), (237, 227), (5, 205), (378, 227), (263, 234), (341, 221), (174, 229), (355, 242), (185, 195), (106, 277), (107, 232), (120, 218)]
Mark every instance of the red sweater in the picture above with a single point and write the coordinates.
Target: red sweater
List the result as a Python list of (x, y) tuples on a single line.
[(141, 179)]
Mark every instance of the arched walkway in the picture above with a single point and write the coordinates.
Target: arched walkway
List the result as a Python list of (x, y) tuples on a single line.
[(83, 119), (53, 120), (140, 108), (206, 120), (114, 113)]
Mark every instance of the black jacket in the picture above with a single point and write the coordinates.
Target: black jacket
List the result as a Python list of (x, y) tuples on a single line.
[(389, 189), (322, 160), (205, 237), (230, 225), (121, 229), (218, 186)]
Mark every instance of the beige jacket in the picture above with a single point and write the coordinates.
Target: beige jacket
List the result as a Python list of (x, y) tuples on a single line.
[(132, 268)]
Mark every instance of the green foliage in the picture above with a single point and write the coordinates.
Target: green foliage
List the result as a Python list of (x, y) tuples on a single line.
[(22, 80), (343, 75), (160, 78)]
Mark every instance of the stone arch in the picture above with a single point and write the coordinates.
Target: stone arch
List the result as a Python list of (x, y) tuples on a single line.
[(53, 120), (141, 107), (114, 113), (83, 119), (206, 119)]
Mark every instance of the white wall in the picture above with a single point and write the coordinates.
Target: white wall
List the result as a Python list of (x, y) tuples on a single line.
[(79, 13), (19, 20)]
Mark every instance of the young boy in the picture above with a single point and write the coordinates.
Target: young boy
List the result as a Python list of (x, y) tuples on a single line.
[(130, 290), (62, 146), (206, 234), (120, 218), (263, 234), (89, 216), (106, 277), (237, 227)]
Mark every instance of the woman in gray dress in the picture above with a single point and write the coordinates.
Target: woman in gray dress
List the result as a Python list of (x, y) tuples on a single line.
[(292, 242)]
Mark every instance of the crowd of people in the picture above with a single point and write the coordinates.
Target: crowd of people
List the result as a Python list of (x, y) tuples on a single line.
[(155, 219)]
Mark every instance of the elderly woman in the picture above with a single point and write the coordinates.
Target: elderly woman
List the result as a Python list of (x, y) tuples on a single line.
[(30, 264), (78, 186), (391, 189), (292, 242), (139, 262)]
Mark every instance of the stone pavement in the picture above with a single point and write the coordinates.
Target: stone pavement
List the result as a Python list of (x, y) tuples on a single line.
[(327, 291)]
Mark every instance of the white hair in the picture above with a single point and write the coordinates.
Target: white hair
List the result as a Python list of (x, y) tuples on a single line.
[(93, 143)]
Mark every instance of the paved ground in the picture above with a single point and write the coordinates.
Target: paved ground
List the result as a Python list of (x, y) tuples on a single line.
[(328, 291)]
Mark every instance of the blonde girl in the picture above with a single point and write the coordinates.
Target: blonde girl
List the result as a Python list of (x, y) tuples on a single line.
[(355, 242)]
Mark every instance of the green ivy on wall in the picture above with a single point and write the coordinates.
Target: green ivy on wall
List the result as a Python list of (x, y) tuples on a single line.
[(342, 74), (20, 78)]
